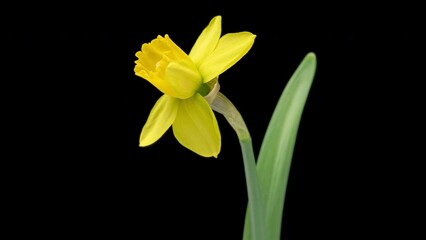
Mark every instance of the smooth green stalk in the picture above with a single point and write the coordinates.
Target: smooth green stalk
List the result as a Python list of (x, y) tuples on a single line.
[(255, 201), (222, 105)]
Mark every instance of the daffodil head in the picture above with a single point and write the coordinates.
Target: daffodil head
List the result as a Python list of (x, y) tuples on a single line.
[(189, 83), (168, 68)]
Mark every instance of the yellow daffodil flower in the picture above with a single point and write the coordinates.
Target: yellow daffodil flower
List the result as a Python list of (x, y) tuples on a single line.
[(185, 79)]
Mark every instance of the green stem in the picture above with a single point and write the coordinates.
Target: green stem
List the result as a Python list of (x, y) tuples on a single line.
[(222, 105), (255, 201)]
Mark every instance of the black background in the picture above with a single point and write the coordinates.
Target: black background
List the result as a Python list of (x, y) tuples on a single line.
[(74, 110)]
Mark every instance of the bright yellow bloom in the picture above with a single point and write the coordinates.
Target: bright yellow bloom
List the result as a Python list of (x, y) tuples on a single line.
[(185, 80)]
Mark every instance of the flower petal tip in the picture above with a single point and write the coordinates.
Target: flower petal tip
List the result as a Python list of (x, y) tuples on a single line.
[(144, 141), (142, 144)]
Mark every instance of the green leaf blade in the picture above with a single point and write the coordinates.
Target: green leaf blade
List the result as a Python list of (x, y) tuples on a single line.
[(276, 152)]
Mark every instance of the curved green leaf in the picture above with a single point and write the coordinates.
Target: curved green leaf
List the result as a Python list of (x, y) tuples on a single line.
[(274, 161)]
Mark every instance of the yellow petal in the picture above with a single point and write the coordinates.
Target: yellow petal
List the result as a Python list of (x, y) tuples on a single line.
[(196, 128), (230, 49), (207, 41), (184, 78), (160, 119)]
